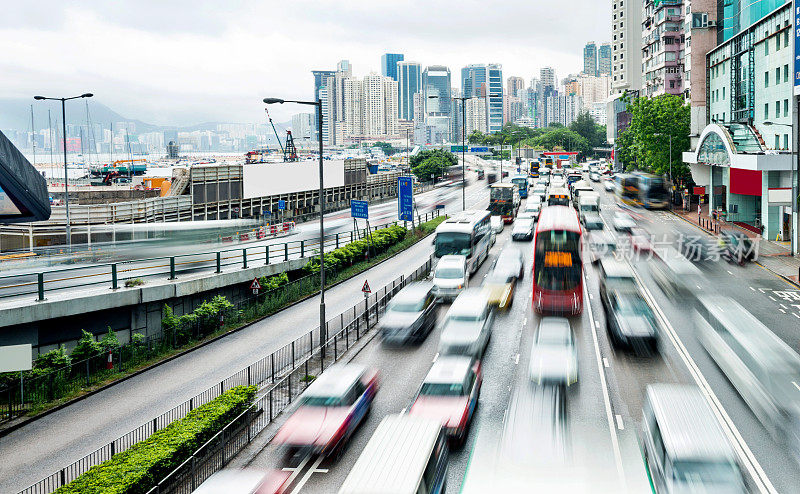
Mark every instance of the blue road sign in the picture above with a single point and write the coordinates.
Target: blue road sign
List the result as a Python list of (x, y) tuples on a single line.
[(359, 209), (405, 199), (796, 49), (281, 205), (479, 150)]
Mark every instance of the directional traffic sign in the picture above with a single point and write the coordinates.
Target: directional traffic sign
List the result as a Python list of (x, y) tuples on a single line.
[(366, 288), (405, 199), (281, 205), (255, 286), (359, 209)]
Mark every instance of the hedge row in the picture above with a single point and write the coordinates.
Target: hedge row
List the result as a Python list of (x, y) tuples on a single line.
[(144, 464), (377, 243)]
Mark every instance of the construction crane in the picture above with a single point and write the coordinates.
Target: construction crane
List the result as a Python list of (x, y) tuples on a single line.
[(276, 133), (290, 152)]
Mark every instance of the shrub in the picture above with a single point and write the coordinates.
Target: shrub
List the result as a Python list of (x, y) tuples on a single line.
[(273, 282), (52, 360), (134, 282), (109, 342), (87, 347), (137, 469), (356, 251)]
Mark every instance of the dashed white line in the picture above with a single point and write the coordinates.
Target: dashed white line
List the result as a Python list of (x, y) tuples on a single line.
[(296, 471), (729, 272), (782, 311), (783, 306), (795, 315), (516, 359), (308, 475), (597, 324), (796, 385), (525, 322), (620, 425), (591, 297), (752, 288), (605, 362), (403, 411), (436, 356), (771, 298)]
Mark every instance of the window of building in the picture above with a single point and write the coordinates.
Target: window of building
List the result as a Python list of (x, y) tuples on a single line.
[(723, 117), (777, 43), (672, 84), (785, 38), (786, 108), (723, 92), (766, 79), (777, 75), (766, 48), (766, 111), (777, 141), (621, 24), (785, 141), (777, 109), (723, 69), (786, 73)]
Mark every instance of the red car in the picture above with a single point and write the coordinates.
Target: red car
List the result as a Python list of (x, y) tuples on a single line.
[(329, 411), (449, 393), (641, 240)]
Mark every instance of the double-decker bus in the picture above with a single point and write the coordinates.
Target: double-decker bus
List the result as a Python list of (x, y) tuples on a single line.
[(653, 191), (504, 200), (533, 170), (628, 189), (557, 267), (467, 234), (521, 181)]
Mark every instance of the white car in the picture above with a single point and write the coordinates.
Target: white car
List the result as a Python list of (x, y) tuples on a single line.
[(608, 184), (467, 326), (450, 277), (497, 223), (622, 222), (523, 229), (554, 358), (594, 177)]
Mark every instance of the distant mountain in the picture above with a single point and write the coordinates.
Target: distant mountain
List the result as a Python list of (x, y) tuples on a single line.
[(15, 113)]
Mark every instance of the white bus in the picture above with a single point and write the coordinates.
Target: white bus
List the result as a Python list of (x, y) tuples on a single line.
[(467, 234)]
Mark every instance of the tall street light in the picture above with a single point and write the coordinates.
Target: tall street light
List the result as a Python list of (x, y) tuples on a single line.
[(64, 136), (463, 146), (322, 329), (794, 187)]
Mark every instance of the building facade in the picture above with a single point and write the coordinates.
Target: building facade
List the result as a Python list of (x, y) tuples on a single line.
[(700, 22), (438, 110), (604, 59), (590, 59), (486, 81), (320, 79), (409, 83), (626, 46), (662, 47), (389, 64)]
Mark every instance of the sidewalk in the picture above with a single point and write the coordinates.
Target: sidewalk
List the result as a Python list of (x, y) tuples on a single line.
[(774, 256)]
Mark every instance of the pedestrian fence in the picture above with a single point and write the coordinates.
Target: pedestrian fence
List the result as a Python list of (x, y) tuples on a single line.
[(115, 275), (281, 377)]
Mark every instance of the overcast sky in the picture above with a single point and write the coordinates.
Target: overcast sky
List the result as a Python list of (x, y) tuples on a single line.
[(180, 62)]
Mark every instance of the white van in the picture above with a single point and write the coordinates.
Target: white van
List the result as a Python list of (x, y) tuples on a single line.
[(588, 203), (684, 446), (450, 277), (407, 454)]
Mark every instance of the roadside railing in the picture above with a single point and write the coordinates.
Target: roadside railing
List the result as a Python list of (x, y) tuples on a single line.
[(281, 376), (115, 275)]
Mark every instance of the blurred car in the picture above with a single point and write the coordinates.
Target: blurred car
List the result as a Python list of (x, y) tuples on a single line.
[(674, 274), (738, 246), (630, 321), (684, 448), (329, 411), (467, 325), (499, 287), (449, 393), (510, 261), (594, 176), (533, 207), (700, 248), (523, 229), (410, 316), (481, 174), (601, 244), (593, 221), (246, 481), (554, 358), (534, 198), (641, 240), (450, 277), (608, 184), (622, 222), (526, 215), (497, 223)]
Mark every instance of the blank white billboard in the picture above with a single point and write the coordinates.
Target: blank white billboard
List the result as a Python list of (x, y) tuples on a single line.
[(16, 358), (267, 179)]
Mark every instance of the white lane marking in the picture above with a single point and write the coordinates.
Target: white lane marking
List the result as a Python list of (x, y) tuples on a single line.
[(620, 425), (525, 322), (763, 484), (698, 286), (771, 298), (403, 411), (307, 475), (516, 359), (729, 272), (436, 356), (296, 471), (795, 315), (796, 385), (782, 311), (591, 297), (320, 470), (752, 288), (604, 386), (597, 324), (783, 306), (605, 362)]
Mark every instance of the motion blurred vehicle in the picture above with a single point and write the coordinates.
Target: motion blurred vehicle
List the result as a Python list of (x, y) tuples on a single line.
[(594, 176), (615, 275), (641, 240), (329, 411), (534, 207), (245, 481), (557, 265), (738, 246), (589, 202), (406, 455), (540, 189), (449, 394), (592, 221), (510, 261), (630, 320), (521, 181), (497, 224), (558, 196), (467, 326), (491, 177), (523, 229), (700, 248), (601, 244), (535, 198), (762, 367), (554, 358), (499, 286), (608, 184), (504, 200), (685, 449), (526, 215), (481, 174), (622, 222), (450, 277), (410, 316), (674, 274), (467, 234)]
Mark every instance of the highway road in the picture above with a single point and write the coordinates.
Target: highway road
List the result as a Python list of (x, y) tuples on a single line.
[(596, 444), (70, 433)]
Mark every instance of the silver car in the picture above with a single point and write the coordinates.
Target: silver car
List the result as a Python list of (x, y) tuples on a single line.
[(410, 316), (467, 325), (622, 222), (554, 358), (523, 229)]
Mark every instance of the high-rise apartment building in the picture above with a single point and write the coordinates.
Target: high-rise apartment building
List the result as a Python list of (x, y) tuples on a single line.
[(593, 89), (604, 59), (514, 101), (389, 64), (486, 80), (514, 86), (370, 109), (590, 58), (436, 82), (475, 115), (547, 78), (320, 80), (662, 47), (626, 45), (409, 83), (302, 124)]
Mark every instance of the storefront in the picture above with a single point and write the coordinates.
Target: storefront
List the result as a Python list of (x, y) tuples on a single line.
[(742, 178)]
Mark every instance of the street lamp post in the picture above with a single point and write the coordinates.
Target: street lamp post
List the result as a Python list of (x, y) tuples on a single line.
[(322, 321), (64, 137), (794, 186)]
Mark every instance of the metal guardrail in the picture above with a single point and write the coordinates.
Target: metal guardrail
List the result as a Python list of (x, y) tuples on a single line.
[(281, 376), (115, 275)]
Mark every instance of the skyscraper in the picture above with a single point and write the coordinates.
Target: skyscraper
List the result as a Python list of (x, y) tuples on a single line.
[(547, 79), (389, 64), (320, 80), (626, 47), (486, 81), (604, 59), (513, 103), (409, 82), (590, 58), (436, 82)]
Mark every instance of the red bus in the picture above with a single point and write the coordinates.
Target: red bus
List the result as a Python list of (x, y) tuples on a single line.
[(557, 266)]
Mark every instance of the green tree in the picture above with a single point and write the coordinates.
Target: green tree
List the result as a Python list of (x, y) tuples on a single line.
[(86, 347), (418, 158), (654, 122), (431, 168), (562, 138), (387, 148), (476, 137), (52, 360), (585, 125)]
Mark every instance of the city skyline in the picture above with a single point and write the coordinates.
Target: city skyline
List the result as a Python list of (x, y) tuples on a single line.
[(157, 69)]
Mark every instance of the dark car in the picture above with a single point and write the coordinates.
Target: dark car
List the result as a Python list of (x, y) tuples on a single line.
[(481, 174), (738, 247), (630, 321), (410, 316)]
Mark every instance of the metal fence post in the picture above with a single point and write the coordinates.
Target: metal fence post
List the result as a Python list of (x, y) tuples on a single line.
[(248, 376), (244, 258), (302, 249), (351, 237), (40, 283), (87, 371), (286, 251), (292, 354), (272, 365), (219, 262), (337, 240), (266, 254), (172, 268), (114, 276)]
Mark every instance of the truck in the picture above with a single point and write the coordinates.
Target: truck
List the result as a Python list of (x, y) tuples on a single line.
[(504, 201)]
